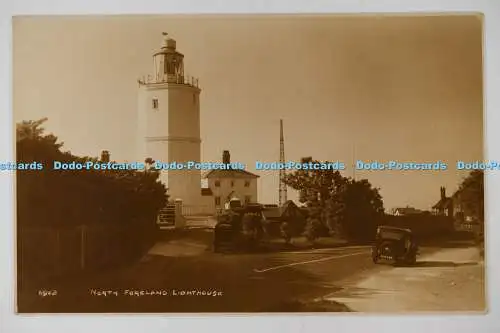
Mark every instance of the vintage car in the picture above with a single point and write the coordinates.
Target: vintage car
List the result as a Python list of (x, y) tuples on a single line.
[(233, 203), (239, 228), (396, 245)]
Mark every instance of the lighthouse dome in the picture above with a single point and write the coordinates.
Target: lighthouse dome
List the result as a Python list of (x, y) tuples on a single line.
[(168, 43)]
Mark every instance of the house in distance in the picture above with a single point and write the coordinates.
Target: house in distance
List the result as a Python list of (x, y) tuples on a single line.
[(401, 211), (224, 185)]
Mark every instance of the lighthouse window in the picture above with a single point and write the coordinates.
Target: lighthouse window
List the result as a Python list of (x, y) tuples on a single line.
[(217, 183), (155, 103)]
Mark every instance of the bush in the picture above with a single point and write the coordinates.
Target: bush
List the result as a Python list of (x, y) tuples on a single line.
[(337, 205), (124, 202), (79, 197), (313, 229)]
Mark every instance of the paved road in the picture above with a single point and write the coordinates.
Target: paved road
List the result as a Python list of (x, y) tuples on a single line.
[(241, 283), (447, 280)]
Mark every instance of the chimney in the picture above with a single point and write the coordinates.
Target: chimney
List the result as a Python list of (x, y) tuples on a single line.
[(226, 158), (443, 193), (105, 156)]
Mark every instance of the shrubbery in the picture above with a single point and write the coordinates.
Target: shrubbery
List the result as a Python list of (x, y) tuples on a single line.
[(117, 207), (79, 197), (422, 225), (337, 205)]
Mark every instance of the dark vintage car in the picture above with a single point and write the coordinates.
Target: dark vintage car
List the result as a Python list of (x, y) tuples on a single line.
[(396, 245), (239, 227)]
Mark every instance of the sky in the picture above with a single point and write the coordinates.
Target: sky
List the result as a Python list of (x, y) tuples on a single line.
[(404, 88)]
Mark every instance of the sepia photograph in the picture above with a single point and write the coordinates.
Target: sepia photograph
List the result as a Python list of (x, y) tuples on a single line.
[(289, 163)]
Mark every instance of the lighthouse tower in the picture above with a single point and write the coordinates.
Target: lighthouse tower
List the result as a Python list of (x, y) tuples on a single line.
[(169, 122)]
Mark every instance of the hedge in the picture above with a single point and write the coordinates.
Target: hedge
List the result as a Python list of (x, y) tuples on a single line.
[(118, 208)]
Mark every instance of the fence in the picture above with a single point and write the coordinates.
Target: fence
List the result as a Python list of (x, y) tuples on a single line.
[(190, 210), (166, 216), (467, 226), (46, 253), (170, 78)]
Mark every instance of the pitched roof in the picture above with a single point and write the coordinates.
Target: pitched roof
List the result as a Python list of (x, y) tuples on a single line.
[(230, 173), (443, 203), (276, 212), (407, 210)]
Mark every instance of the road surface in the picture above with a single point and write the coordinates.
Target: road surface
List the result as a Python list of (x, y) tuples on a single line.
[(447, 280), (210, 282)]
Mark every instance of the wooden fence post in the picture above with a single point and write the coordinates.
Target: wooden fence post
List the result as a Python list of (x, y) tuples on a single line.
[(82, 247), (20, 259), (58, 252)]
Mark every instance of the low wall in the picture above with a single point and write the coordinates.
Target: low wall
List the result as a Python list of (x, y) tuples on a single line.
[(191, 210), (206, 207)]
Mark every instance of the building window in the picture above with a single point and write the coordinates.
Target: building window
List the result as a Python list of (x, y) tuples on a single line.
[(194, 98), (155, 103), (248, 199), (217, 201), (247, 183), (217, 183), (232, 183)]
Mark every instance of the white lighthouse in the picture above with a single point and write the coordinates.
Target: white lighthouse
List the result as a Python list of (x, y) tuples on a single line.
[(169, 122)]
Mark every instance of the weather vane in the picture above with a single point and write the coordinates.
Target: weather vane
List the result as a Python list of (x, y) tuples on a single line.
[(164, 33)]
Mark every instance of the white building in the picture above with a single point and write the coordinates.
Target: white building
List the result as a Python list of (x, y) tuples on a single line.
[(169, 122), (226, 184)]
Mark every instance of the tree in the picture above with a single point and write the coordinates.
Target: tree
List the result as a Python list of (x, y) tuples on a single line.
[(118, 208), (79, 196), (316, 189), (471, 192), (30, 129), (336, 204), (358, 210)]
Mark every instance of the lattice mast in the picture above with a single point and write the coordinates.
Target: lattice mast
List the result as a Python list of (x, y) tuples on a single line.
[(282, 172)]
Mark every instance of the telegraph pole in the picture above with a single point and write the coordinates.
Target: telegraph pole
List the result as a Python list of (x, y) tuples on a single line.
[(282, 172)]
